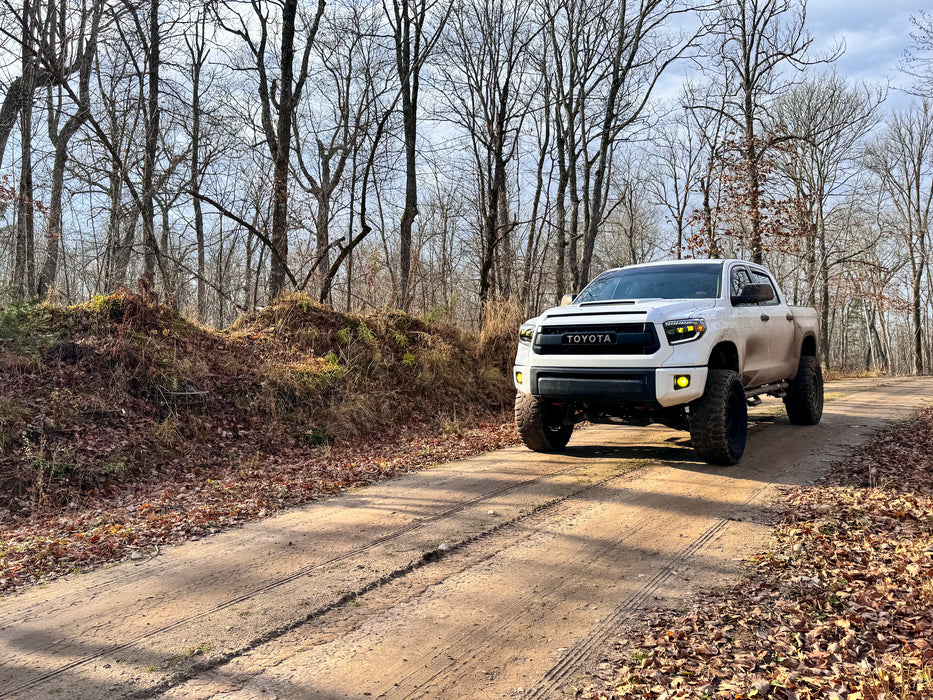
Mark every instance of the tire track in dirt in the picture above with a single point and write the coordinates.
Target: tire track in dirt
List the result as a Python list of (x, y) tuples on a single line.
[(506, 621), (270, 635), (526, 546), (461, 639), (584, 650), (587, 647)]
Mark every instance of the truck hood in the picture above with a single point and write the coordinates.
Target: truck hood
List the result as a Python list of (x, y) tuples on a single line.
[(637, 311)]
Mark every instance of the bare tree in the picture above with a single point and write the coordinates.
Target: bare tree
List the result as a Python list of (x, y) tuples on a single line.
[(710, 125), (33, 25), (360, 73), (351, 80), (85, 51), (541, 119), (631, 229), (607, 59), (488, 88), (641, 52), (903, 161), (278, 98), (753, 42), (27, 31), (414, 41), (576, 68), (918, 59), (832, 120), (677, 151), (198, 52), (153, 64)]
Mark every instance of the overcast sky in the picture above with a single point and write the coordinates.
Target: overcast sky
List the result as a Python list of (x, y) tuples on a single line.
[(876, 33)]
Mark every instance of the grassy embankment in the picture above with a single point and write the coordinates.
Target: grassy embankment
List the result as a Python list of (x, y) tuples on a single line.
[(124, 426)]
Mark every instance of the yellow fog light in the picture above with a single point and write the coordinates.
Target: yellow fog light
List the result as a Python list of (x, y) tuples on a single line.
[(518, 377), (682, 381)]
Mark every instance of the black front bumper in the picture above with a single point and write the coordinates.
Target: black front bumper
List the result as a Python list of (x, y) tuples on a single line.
[(595, 386)]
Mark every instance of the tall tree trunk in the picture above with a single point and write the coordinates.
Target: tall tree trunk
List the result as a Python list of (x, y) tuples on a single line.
[(196, 186), (505, 255), (754, 187), (490, 232), (410, 211), (573, 233), (147, 281), (169, 274), (824, 302), (916, 283), (560, 201), (24, 255), (279, 237), (24, 263), (412, 47), (531, 244), (54, 224), (597, 203), (322, 232), (350, 223)]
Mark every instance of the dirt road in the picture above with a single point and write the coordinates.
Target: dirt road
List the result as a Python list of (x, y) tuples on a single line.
[(499, 576)]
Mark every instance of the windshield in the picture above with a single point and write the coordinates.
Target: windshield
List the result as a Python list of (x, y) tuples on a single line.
[(700, 281)]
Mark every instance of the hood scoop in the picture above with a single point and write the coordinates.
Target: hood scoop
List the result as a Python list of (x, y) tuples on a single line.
[(590, 314)]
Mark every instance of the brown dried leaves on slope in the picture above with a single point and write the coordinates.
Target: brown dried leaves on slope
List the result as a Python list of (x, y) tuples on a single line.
[(842, 608), (124, 427)]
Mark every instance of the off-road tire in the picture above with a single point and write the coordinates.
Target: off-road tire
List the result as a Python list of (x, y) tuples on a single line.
[(719, 419), (542, 426), (804, 400)]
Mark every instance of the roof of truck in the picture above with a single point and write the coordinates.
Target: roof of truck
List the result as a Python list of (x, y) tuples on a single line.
[(692, 261)]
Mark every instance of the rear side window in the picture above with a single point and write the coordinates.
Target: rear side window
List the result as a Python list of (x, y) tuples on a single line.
[(761, 278)]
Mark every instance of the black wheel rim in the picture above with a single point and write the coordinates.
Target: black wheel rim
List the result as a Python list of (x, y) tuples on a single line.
[(816, 396)]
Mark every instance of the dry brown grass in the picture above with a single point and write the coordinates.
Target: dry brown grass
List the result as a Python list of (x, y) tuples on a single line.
[(835, 375), (498, 336)]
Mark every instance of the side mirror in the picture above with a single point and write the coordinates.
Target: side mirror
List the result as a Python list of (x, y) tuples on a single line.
[(567, 299), (753, 294)]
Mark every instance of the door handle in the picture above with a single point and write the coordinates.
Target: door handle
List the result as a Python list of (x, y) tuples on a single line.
[(789, 317), (765, 317)]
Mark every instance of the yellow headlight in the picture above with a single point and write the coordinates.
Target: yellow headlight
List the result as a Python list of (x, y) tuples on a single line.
[(682, 381), (518, 377), (684, 330)]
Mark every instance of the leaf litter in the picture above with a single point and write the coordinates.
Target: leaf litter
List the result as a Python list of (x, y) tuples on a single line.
[(188, 501), (841, 607)]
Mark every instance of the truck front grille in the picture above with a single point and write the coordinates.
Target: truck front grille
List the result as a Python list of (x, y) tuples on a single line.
[(630, 339)]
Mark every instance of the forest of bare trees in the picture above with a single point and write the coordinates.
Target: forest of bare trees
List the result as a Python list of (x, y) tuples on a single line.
[(439, 156)]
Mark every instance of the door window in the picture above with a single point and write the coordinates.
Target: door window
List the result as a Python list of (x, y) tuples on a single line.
[(739, 280)]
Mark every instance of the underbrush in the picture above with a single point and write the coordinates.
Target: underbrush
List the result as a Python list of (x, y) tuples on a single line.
[(842, 608), (112, 391), (833, 374)]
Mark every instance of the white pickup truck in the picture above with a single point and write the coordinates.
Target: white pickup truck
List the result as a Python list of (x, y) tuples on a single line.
[(688, 344)]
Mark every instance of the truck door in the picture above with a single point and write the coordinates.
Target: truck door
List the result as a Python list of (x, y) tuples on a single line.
[(752, 337), (779, 321)]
